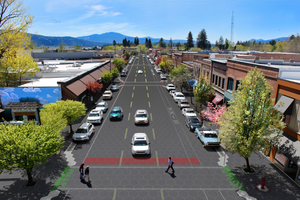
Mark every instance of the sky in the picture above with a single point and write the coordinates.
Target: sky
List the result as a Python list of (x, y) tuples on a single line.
[(252, 19)]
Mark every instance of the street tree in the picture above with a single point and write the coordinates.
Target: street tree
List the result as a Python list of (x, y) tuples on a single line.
[(107, 76), (127, 55), (213, 113), (119, 63), (202, 40), (189, 41), (166, 64), (93, 88), (250, 120), (71, 110), (28, 145), (114, 71), (180, 75), (204, 91)]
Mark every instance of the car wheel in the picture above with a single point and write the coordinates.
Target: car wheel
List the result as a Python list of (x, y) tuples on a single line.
[(190, 129)]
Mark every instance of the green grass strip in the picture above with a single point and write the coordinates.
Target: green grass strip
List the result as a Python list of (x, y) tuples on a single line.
[(235, 179), (60, 178)]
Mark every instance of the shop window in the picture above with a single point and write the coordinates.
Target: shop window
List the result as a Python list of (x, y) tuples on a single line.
[(219, 84), (237, 84), (223, 83), (213, 80), (280, 158), (216, 83), (230, 84)]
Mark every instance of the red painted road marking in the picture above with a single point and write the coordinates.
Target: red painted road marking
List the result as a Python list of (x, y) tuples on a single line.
[(140, 161), (162, 83)]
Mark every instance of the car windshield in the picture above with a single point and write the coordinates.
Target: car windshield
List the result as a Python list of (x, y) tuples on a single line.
[(140, 143), (179, 95), (94, 115), (190, 111), (184, 102), (195, 121), (81, 130), (113, 86), (106, 92), (115, 111), (101, 105), (210, 135), (141, 115)]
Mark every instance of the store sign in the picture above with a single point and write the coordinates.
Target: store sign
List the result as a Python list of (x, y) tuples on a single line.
[(24, 113)]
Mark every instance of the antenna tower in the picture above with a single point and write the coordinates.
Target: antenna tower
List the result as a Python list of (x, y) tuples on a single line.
[(231, 34)]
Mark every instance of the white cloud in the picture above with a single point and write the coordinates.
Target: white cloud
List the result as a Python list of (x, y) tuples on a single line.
[(42, 101), (49, 96), (3, 93), (9, 89), (56, 91), (31, 90)]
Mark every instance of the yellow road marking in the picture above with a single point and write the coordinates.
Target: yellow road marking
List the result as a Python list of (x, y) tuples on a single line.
[(125, 134), (132, 95), (151, 116), (135, 75), (144, 71), (128, 116), (134, 80), (146, 87), (136, 71), (133, 87), (121, 158), (148, 95), (137, 67), (145, 80), (145, 75), (149, 104), (153, 133), (115, 194), (157, 162), (144, 68), (162, 195), (130, 104)]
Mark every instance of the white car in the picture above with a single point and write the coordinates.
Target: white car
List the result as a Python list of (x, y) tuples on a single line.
[(178, 95), (140, 71), (170, 87), (188, 112), (103, 106), (140, 144), (84, 132), (95, 117), (107, 94), (172, 92), (163, 76), (141, 117)]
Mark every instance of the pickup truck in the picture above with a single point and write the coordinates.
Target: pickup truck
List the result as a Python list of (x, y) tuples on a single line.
[(208, 137)]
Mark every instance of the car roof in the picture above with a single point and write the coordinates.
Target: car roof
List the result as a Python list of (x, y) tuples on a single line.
[(95, 111), (117, 108), (212, 132), (141, 111), (107, 91), (170, 85), (189, 109), (84, 125), (102, 102), (139, 136), (178, 93), (181, 100)]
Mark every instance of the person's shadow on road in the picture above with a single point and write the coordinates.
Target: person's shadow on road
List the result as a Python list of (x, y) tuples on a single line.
[(172, 174), (89, 184)]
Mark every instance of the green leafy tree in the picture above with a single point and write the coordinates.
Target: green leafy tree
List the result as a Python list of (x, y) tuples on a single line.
[(227, 44), (250, 120), (77, 47), (166, 64), (28, 145), (180, 75), (61, 47), (71, 110), (161, 43), (221, 43), (107, 76), (127, 55), (150, 43), (202, 40), (133, 53), (189, 41), (115, 72), (203, 92), (171, 43), (119, 63)]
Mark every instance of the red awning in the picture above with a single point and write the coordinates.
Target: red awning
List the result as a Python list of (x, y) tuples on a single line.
[(218, 98)]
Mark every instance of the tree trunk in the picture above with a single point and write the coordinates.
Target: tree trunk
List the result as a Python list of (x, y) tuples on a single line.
[(29, 175), (191, 95), (247, 163), (71, 129)]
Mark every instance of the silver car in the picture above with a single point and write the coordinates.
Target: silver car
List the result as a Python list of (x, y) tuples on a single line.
[(84, 132), (141, 117), (103, 106), (140, 144)]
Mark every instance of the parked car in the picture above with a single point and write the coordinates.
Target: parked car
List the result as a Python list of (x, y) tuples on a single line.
[(95, 117), (163, 76), (140, 71), (170, 87), (208, 137), (84, 132), (140, 144), (172, 93), (183, 103), (107, 94), (125, 70), (141, 117), (188, 112), (177, 96), (114, 88), (123, 74), (192, 123), (116, 113), (103, 106)]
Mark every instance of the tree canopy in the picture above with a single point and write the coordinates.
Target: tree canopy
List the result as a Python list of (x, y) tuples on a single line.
[(107, 76), (166, 64), (189, 41), (250, 120), (202, 40), (119, 63), (180, 75)]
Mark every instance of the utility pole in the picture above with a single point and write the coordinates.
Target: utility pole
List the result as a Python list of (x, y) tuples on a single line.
[(231, 34)]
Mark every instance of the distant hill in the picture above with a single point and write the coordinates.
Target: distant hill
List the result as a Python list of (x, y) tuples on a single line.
[(111, 36), (48, 41), (267, 41)]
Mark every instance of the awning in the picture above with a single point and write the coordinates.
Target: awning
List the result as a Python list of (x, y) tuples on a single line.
[(228, 95), (193, 82), (284, 109), (88, 78), (96, 74), (218, 98), (77, 87), (23, 105), (289, 146)]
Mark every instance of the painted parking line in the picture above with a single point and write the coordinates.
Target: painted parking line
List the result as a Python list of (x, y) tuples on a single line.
[(153, 133), (125, 133), (121, 158), (128, 116)]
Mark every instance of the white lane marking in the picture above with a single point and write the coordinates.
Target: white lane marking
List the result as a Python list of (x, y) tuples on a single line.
[(52, 194), (245, 195), (223, 159), (69, 155)]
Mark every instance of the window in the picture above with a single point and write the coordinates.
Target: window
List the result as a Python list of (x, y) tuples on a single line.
[(216, 83), (230, 84), (213, 81), (220, 79), (223, 83), (237, 84)]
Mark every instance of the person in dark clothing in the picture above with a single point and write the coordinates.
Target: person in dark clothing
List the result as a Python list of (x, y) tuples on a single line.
[(81, 170), (87, 173), (170, 165)]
